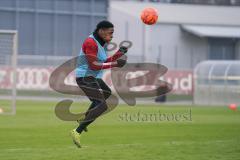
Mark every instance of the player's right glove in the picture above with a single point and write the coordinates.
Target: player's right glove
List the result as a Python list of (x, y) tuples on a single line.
[(121, 62)]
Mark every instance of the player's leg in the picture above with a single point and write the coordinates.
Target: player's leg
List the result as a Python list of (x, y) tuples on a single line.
[(92, 105), (92, 114), (107, 91), (91, 88), (98, 106)]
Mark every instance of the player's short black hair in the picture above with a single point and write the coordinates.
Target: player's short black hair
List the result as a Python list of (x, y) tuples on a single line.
[(104, 25)]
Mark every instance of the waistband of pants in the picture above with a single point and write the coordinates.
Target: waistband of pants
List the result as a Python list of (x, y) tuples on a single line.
[(85, 78)]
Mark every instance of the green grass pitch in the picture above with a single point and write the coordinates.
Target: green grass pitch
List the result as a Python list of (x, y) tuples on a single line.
[(35, 133)]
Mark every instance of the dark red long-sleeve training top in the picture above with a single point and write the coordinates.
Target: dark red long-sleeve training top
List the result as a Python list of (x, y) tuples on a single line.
[(90, 48)]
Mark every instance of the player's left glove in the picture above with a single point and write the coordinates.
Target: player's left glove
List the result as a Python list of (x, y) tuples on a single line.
[(123, 49)]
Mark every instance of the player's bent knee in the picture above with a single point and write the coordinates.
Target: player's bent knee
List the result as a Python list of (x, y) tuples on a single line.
[(104, 106), (107, 94)]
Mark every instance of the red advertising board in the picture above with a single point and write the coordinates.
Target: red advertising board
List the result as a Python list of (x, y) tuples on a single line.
[(36, 78)]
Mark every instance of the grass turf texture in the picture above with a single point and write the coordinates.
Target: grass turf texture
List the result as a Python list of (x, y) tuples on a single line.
[(35, 133)]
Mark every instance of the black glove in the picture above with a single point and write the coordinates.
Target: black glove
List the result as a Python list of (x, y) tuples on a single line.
[(121, 62), (123, 49)]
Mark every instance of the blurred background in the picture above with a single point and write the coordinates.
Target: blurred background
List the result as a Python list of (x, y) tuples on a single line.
[(197, 40)]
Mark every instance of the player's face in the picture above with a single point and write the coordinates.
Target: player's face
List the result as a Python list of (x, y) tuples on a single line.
[(107, 34)]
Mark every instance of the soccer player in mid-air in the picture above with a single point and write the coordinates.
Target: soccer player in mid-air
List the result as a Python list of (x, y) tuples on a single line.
[(92, 61)]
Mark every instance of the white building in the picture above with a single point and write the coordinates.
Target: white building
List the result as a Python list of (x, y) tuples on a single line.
[(183, 36)]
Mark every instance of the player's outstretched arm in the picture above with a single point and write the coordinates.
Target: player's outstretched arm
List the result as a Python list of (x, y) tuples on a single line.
[(90, 48), (122, 50)]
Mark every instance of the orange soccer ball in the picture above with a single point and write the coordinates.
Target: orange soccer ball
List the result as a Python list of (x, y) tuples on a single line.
[(149, 16)]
